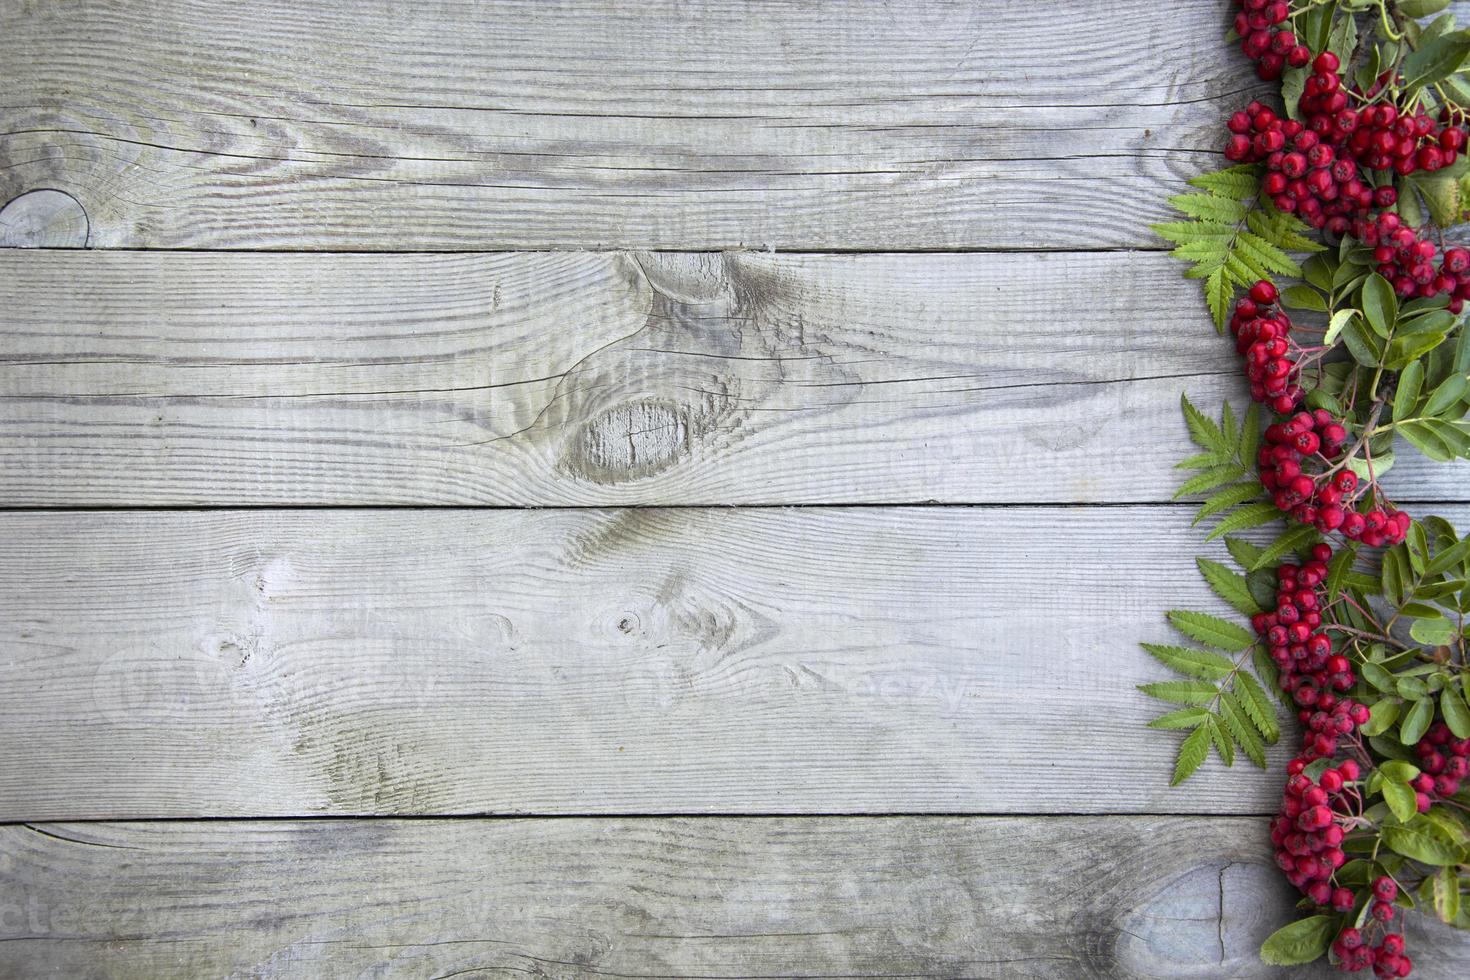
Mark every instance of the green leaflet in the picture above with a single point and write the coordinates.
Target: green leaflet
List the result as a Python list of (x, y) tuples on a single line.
[(1299, 942)]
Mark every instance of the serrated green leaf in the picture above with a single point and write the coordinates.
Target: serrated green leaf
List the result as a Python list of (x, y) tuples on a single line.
[(1202, 664), (1229, 586), (1205, 460), (1182, 232), (1244, 552), (1202, 428), (1289, 541), (1237, 722), (1210, 479), (1338, 568), (1211, 630), (1232, 496), (1223, 743), (1435, 61), (1240, 182), (1191, 754), (1192, 693), (1219, 291), (1257, 706), (1251, 515), (1183, 718), (1264, 255), (1299, 942), (1210, 207)]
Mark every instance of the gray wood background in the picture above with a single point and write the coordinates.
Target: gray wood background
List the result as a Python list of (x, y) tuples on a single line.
[(588, 489)]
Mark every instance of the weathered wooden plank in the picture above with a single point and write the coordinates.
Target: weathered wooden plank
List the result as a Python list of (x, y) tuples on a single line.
[(1103, 897), (286, 663), (595, 378), (670, 124)]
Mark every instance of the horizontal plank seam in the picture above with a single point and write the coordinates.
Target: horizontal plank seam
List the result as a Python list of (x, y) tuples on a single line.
[(841, 505), (639, 815)]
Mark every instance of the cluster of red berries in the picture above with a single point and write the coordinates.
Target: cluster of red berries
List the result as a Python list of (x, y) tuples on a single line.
[(1407, 261), (1296, 463), (1444, 762), (1307, 836), (1262, 334), (1271, 46), (1387, 139), (1296, 467), (1387, 958), (1309, 671), (1306, 173)]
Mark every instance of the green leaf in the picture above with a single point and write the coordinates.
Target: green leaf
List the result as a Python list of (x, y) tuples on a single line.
[(1400, 799), (1402, 350), (1456, 712), (1449, 557), (1299, 942), (1223, 745), (1191, 754), (1232, 496), (1211, 207), (1210, 479), (1433, 632), (1244, 552), (1191, 693), (1219, 291), (1290, 540), (1419, 846), (1195, 663), (1378, 677), (1446, 895), (1211, 630), (1416, 722), (1421, 8), (1450, 391), (1338, 568), (1183, 718), (1435, 61), (1257, 705), (1251, 515), (1202, 428), (1303, 297), (1381, 717), (1229, 586), (1232, 710), (1266, 256), (1239, 182), (1441, 193), (1407, 396), (1339, 320), (1380, 305)]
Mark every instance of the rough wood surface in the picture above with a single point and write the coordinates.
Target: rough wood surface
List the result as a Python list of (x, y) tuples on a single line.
[(1073, 898), (595, 378), (664, 124), (287, 663)]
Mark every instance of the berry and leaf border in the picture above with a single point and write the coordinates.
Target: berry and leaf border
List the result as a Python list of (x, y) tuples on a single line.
[(1323, 251)]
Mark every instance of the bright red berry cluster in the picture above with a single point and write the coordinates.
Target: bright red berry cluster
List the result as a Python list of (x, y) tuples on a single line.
[(1265, 41), (1407, 260), (1310, 671), (1262, 334), (1316, 813), (1444, 762), (1387, 139), (1299, 463)]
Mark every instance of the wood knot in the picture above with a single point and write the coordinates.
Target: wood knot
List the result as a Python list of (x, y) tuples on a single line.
[(44, 219), (630, 441)]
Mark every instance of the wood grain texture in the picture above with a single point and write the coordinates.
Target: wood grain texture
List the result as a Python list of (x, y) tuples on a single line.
[(288, 663), (595, 378), (1072, 898), (461, 124)]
